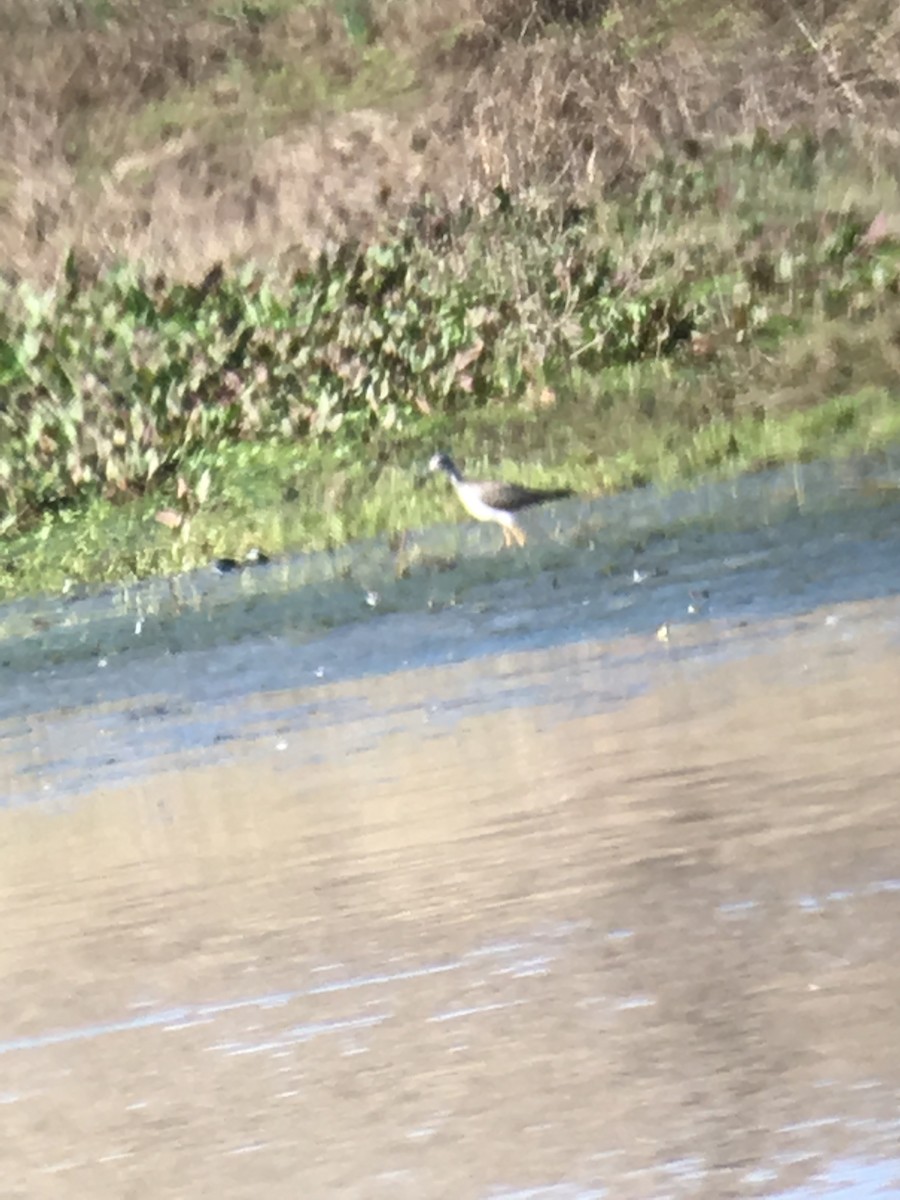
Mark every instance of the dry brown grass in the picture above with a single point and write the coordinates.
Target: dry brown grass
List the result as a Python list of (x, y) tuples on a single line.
[(187, 134)]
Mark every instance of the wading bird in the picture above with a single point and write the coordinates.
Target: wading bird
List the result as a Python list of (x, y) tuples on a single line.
[(497, 502)]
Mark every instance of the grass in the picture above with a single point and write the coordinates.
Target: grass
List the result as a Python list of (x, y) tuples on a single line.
[(266, 257), (269, 495)]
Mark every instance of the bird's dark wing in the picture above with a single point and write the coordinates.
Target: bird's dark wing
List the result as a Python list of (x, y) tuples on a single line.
[(511, 497)]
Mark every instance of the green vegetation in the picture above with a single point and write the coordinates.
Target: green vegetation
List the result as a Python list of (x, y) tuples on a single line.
[(264, 376)]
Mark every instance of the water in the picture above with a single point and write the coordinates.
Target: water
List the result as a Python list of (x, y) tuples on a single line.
[(505, 897)]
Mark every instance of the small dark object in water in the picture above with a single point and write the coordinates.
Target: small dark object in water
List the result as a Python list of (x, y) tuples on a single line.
[(224, 565), (253, 558)]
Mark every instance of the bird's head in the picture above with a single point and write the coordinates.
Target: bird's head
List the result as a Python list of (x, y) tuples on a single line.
[(443, 462)]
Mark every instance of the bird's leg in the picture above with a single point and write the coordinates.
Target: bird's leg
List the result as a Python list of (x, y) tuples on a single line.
[(519, 534)]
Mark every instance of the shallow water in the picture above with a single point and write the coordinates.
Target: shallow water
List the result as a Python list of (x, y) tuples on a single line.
[(505, 897)]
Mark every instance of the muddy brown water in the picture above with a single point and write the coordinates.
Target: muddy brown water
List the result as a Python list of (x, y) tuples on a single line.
[(510, 899)]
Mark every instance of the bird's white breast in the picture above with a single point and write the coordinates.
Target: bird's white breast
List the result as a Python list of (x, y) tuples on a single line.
[(469, 494)]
